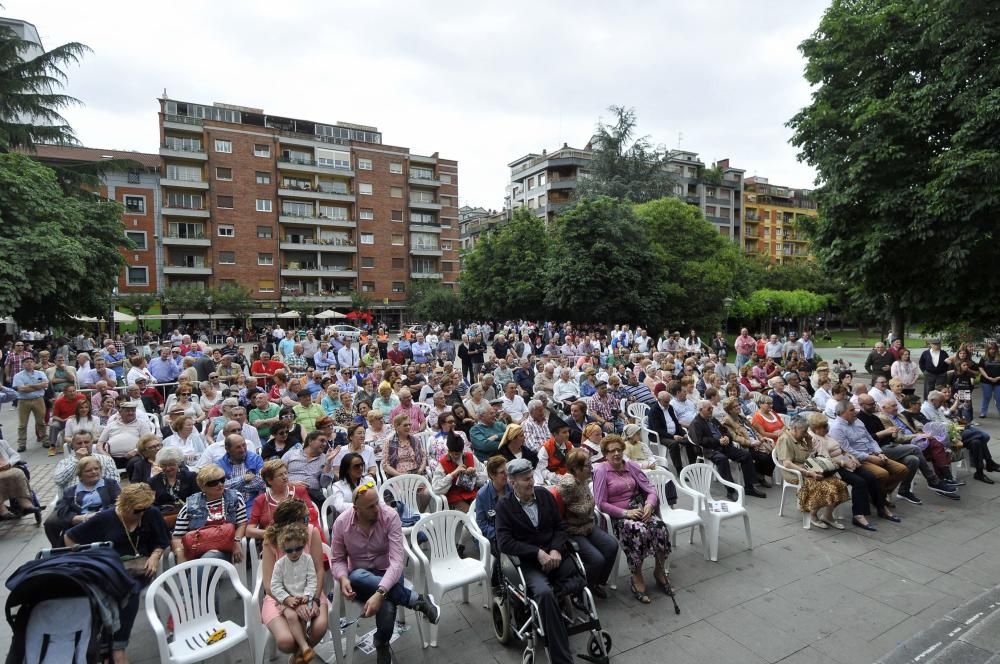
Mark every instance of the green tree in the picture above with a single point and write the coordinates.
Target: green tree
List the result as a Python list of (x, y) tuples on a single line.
[(30, 106), (360, 301), (184, 299), (624, 166), (504, 274), (137, 303), (231, 298), (58, 253), (602, 266), (430, 300), (766, 303), (699, 267), (904, 133)]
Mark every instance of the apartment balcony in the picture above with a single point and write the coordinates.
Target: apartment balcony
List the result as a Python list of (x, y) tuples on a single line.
[(316, 195), (199, 213), (425, 250), (189, 153), (176, 240), (426, 275), (299, 269), (320, 298), (330, 246), (425, 227), (562, 183), (196, 269), (424, 205), (321, 222), (302, 165), (419, 181), (421, 159), (184, 183), (183, 123)]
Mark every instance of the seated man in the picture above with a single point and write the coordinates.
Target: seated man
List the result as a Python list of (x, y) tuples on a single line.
[(528, 525), (242, 468), (122, 432), (63, 408), (238, 414), (367, 559), (935, 409), (308, 464), (663, 421), (552, 454), (565, 390), (64, 473), (934, 452), (513, 403), (705, 433), (684, 408), (485, 435)]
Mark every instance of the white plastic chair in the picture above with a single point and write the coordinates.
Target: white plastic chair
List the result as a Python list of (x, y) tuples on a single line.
[(188, 591), (155, 421), (260, 635), (788, 487), (444, 570), (638, 412), (676, 518), (424, 407), (698, 477), (327, 515)]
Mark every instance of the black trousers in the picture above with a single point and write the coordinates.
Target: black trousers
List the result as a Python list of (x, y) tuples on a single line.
[(674, 449), (721, 457), (865, 490), (598, 551), (540, 588)]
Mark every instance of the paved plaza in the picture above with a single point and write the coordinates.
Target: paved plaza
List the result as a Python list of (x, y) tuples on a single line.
[(809, 596)]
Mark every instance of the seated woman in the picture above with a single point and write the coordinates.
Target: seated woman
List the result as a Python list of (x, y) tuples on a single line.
[(82, 420), (590, 441), (316, 610), (279, 490), (173, 485), (636, 451), (378, 434), (405, 453), (489, 494), (457, 476), (213, 505), (81, 501), (818, 492), (598, 549), (187, 439), (512, 445), (139, 535), (14, 486), (622, 491), (351, 473), (439, 441), (741, 431), (865, 488), (766, 422), (356, 444), (142, 466), (278, 444)]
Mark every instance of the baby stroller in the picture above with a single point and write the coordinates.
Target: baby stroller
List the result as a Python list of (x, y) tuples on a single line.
[(515, 614), (64, 604)]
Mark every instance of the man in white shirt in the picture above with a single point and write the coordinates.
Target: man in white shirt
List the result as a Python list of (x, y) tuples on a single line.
[(122, 432), (513, 404), (565, 390), (347, 357), (879, 391), (249, 432), (684, 408), (772, 349)]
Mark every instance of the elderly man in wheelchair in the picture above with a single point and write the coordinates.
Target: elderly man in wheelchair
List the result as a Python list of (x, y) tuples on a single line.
[(542, 595)]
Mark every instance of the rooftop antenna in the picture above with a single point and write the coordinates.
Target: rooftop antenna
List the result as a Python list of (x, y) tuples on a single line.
[(680, 138)]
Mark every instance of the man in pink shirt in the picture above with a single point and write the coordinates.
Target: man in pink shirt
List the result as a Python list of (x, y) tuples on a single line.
[(367, 559), (410, 409), (745, 345)]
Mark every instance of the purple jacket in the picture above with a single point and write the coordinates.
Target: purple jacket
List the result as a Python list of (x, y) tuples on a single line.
[(617, 510)]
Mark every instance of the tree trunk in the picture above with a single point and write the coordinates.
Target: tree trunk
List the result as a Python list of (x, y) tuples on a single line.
[(899, 323)]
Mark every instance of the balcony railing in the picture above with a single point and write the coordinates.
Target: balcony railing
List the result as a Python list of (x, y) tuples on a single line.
[(426, 247), (297, 265), (306, 161), (183, 119), (182, 147), (174, 235), (314, 137), (199, 208), (196, 265), (334, 242), (184, 177)]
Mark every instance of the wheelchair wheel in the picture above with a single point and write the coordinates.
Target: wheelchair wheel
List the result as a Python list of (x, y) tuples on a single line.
[(594, 646), (528, 657), (501, 620)]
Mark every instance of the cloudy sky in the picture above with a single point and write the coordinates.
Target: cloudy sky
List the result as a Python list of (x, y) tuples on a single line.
[(483, 83)]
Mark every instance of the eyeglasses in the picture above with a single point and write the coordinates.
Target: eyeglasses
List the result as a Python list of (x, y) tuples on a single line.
[(294, 549), (215, 482), (364, 486), (139, 512)]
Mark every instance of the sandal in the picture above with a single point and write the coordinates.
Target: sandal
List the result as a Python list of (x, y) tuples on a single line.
[(835, 524), (641, 596), (816, 523)]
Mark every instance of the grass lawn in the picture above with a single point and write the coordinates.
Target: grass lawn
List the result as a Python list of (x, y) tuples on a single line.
[(854, 339)]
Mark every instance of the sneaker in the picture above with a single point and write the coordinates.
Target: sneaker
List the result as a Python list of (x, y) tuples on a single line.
[(22, 448), (427, 606), (52, 451), (909, 497), (943, 487)]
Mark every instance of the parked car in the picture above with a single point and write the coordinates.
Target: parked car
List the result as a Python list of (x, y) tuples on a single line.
[(347, 331)]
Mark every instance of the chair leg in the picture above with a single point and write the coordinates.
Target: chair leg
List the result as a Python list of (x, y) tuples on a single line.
[(806, 520), (781, 501), (465, 594), (713, 540), (746, 525), (704, 540)]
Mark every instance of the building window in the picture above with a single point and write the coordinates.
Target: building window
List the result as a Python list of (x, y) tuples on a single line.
[(398, 287), (261, 150), (263, 205), (224, 202), (137, 276), (138, 238), (134, 176), (421, 197), (135, 204), (227, 258), (397, 263), (364, 164), (531, 183), (223, 173), (367, 214), (333, 212), (397, 215), (445, 245), (446, 179), (265, 286), (368, 238), (263, 177), (367, 286), (227, 230), (265, 259), (541, 179), (223, 146), (265, 232), (396, 192), (367, 261), (397, 239), (365, 188), (396, 167)]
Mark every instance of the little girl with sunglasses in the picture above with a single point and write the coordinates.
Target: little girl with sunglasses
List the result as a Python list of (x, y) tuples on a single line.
[(293, 584)]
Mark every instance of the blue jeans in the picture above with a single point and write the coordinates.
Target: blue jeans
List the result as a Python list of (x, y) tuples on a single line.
[(990, 391), (365, 583)]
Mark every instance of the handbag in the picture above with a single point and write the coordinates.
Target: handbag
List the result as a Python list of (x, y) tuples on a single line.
[(216, 537), (821, 464)]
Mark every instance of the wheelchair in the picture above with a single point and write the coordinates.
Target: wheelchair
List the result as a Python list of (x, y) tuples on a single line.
[(515, 614)]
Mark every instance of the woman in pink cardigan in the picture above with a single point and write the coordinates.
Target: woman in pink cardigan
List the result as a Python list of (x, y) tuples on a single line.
[(622, 491)]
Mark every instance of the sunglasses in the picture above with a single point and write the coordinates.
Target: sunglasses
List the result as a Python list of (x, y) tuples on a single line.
[(140, 512), (357, 465), (364, 486), (216, 482), (294, 549)]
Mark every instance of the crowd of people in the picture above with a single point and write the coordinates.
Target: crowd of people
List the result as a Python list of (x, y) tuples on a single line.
[(528, 422)]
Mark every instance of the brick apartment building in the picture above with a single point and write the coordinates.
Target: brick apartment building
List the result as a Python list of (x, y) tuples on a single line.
[(301, 211), (772, 223)]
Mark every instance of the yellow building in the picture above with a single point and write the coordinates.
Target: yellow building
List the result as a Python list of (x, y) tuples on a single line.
[(772, 220)]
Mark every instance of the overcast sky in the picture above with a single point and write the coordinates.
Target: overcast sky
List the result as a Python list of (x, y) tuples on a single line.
[(483, 83)]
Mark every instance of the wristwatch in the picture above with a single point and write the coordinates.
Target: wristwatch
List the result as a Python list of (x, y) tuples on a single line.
[(380, 591)]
